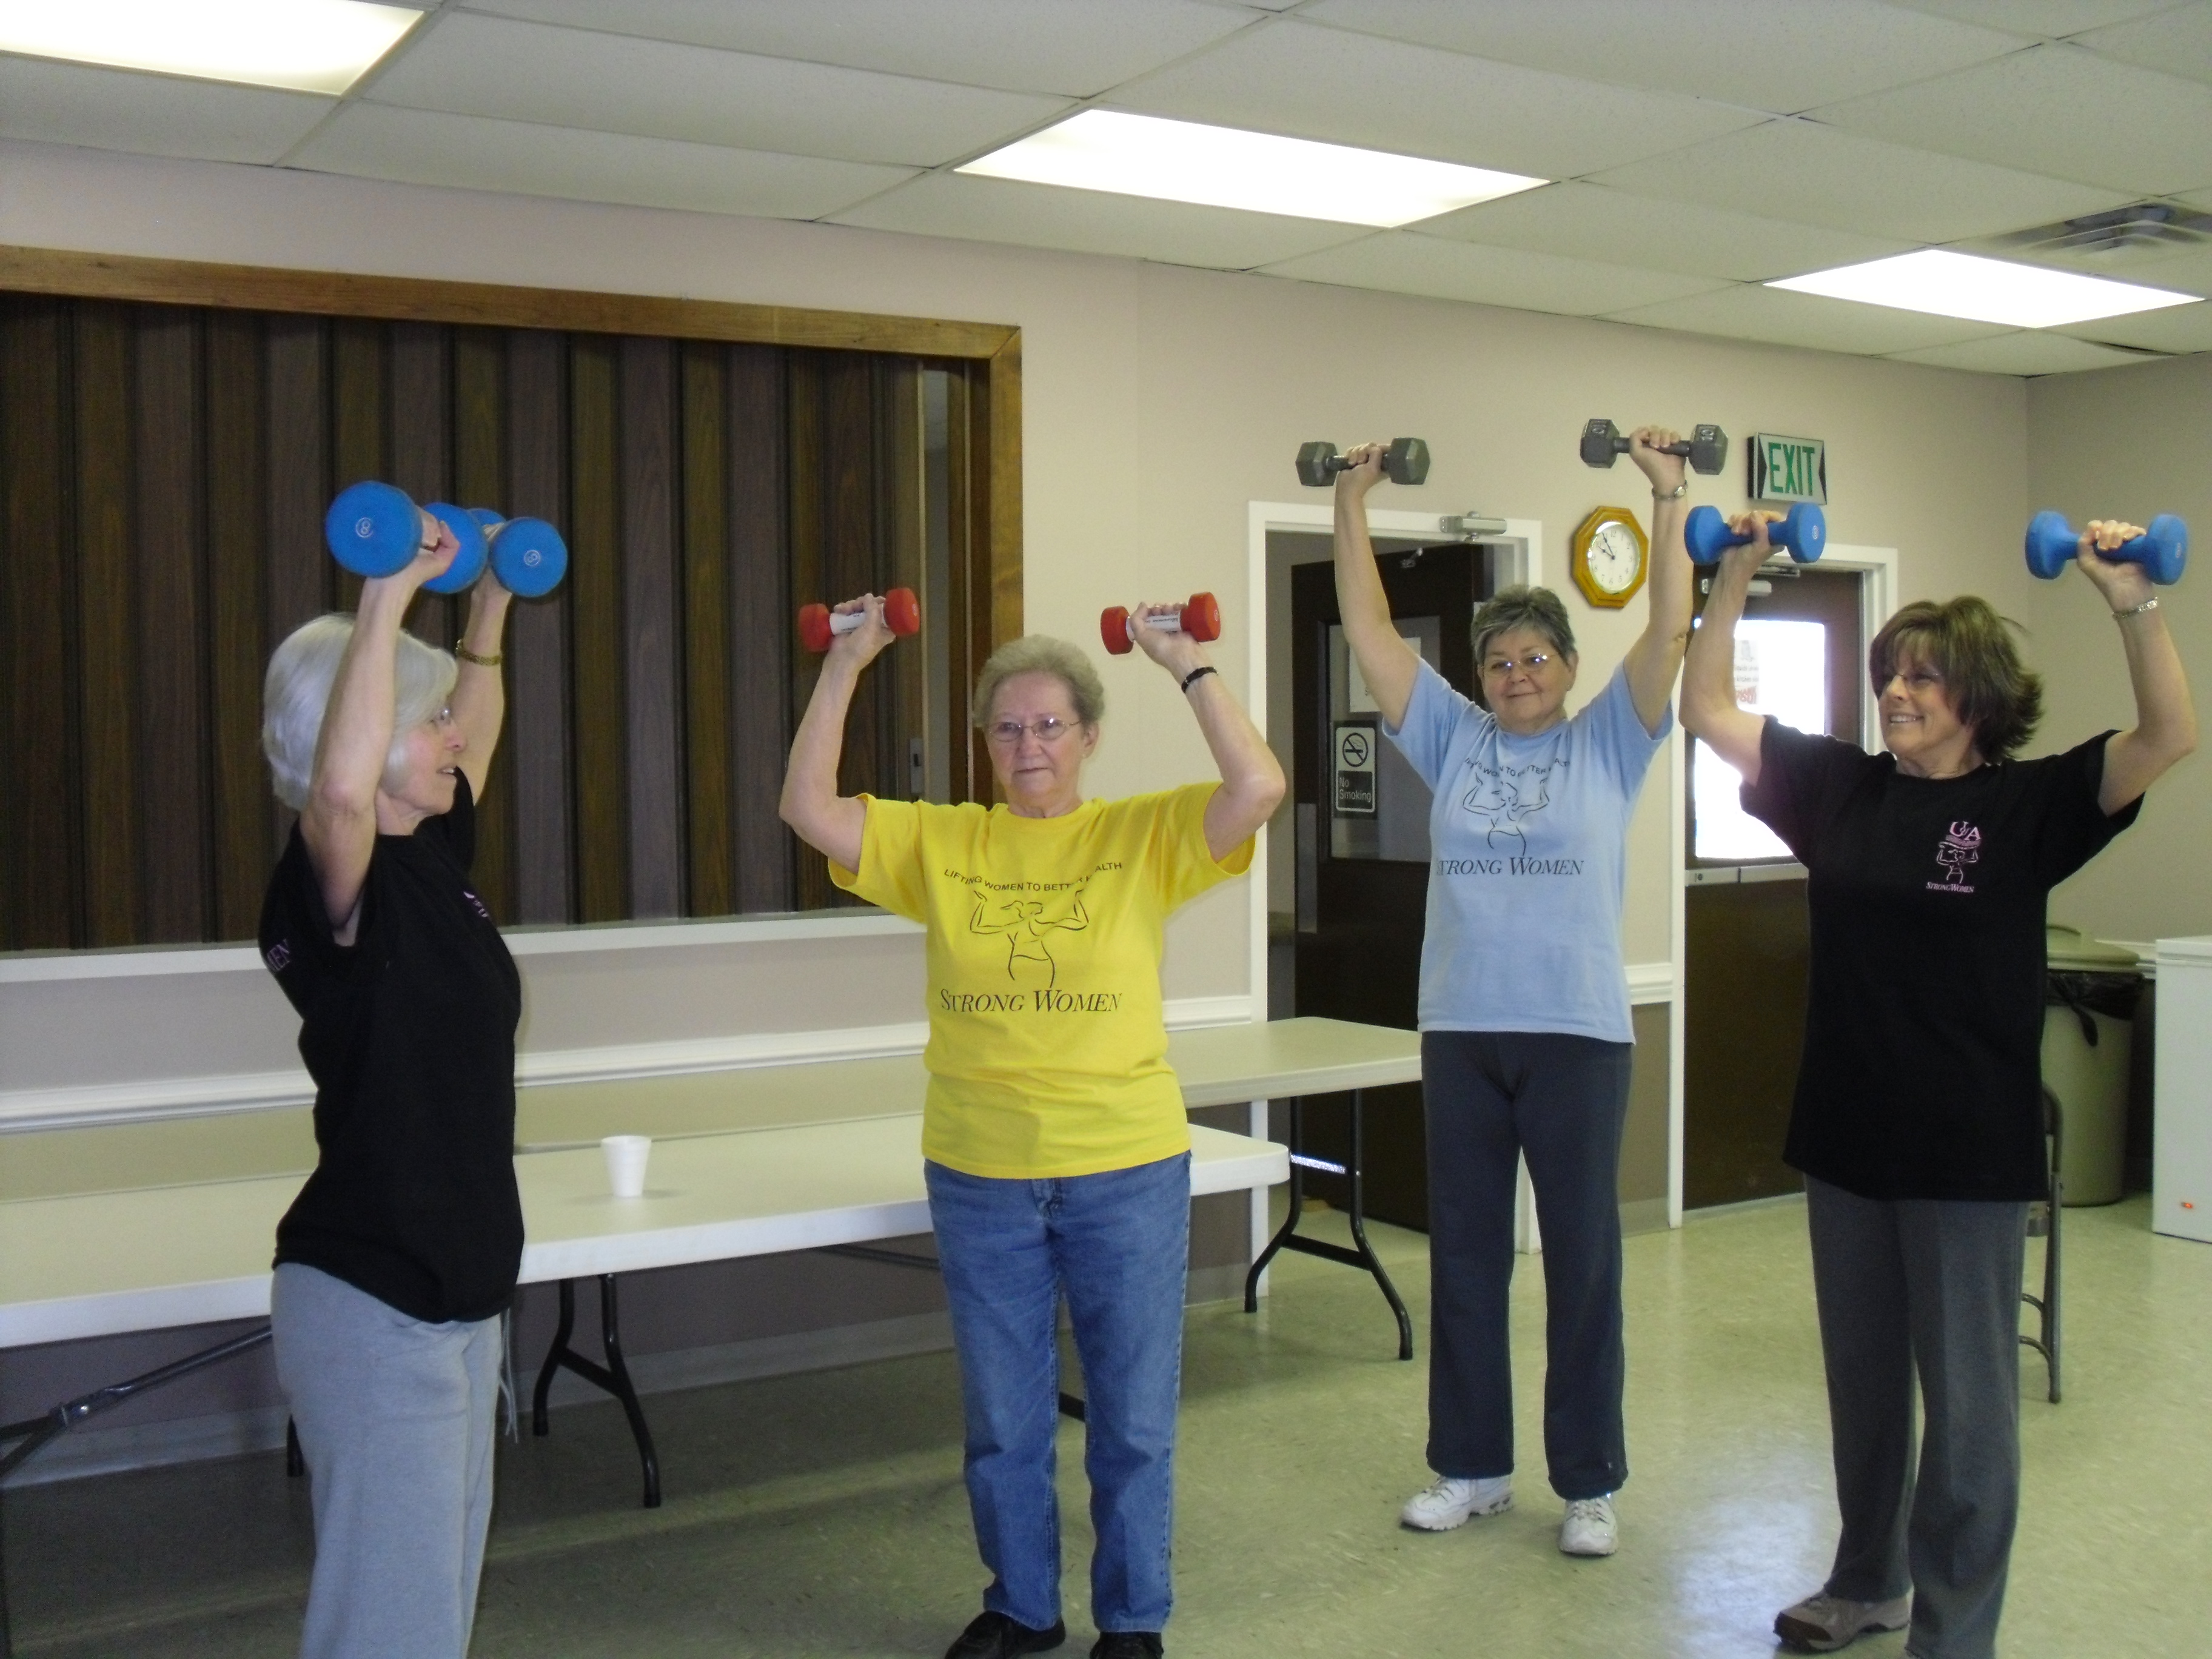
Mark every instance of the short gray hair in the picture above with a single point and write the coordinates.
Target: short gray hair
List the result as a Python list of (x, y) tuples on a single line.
[(296, 693), (1537, 609), (1040, 653)]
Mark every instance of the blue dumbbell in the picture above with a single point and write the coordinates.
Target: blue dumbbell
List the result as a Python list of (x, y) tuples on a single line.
[(2162, 550), (527, 555), (1804, 533), (374, 530)]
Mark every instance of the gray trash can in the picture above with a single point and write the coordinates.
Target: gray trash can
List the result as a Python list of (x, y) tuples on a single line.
[(2088, 1033)]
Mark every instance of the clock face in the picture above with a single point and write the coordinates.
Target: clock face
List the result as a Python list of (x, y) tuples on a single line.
[(1615, 557)]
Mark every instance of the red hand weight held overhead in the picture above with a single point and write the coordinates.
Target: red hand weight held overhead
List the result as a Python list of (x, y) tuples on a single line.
[(818, 624), (1200, 616)]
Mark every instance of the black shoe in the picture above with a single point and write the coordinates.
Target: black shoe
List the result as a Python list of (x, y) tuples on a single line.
[(1127, 1644), (994, 1635)]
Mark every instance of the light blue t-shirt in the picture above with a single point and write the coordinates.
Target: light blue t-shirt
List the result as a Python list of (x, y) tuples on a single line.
[(1529, 846)]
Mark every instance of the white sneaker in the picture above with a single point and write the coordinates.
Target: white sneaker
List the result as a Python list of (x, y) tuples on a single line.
[(1590, 1528), (1823, 1623), (1450, 1502)]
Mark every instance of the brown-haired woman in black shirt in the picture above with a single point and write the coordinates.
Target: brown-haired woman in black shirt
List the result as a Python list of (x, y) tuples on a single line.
[(1917, 1120)]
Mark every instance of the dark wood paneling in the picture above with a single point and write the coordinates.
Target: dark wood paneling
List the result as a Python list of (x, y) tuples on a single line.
[(971, 761), (38, 836), (360, 388), (170, 580), (107, 652), (760, 634), (652, 668), (595, 594), (258, 287), (420, 443), (238, 649), (711, 889), (302, 575), (479, 368), (537, 738)]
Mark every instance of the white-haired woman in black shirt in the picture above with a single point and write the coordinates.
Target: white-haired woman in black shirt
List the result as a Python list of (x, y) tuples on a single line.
[(397, 1258), (1919, 1120)]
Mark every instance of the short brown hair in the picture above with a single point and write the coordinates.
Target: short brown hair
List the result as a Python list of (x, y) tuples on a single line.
[(1969, 644), (1537, 609)]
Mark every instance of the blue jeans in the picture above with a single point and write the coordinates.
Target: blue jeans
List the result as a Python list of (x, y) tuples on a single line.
[(1117, 1245)]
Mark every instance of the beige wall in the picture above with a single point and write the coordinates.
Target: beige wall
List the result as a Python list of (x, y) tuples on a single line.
[(1159, 402), (2124, 443)]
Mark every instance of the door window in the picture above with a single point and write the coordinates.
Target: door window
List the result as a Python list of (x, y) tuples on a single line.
[(1781, 670)]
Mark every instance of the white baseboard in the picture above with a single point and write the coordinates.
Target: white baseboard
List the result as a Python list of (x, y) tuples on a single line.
[(25, 1110)]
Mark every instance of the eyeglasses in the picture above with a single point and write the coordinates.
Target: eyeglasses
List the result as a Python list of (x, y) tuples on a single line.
[(1502, 667), (1050, 730)]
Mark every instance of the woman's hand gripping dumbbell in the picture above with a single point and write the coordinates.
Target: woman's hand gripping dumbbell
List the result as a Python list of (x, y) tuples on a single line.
[(1803, 530), (374, 530), (819, 627), (1198, 615), (2162, 550)]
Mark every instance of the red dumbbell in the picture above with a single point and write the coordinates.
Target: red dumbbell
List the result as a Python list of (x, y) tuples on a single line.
[(1200, 616), (818, 624)]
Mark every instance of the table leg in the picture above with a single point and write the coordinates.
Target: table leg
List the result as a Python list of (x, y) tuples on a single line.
[(613, 1377), (33, 1434), (1362, 1255)]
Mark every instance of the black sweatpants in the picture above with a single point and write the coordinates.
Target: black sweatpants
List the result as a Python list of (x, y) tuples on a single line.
[(1925, 1289), (1492, 1097)]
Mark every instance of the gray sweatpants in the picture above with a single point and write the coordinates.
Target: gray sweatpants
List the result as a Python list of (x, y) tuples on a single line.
[(396, 1418), (1928, 1287)]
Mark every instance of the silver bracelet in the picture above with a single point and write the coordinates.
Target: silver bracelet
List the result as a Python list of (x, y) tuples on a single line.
[(2150, 604), (1674, 495)]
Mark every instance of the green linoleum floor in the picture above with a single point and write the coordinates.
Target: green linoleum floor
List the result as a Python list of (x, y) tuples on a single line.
[(823, 1514)]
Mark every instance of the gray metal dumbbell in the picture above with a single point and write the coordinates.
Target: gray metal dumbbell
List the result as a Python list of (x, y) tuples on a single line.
[(1707, 449), (1406, 462)]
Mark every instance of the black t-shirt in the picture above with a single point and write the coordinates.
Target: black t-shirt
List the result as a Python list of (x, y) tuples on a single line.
[(1922, 1074), (409, 1034)]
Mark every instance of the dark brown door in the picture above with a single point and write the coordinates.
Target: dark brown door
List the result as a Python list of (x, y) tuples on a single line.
[(1363, 846), (1746, 944)]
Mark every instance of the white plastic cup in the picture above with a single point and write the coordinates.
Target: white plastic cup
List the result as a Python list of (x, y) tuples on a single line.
[(626, 1156)]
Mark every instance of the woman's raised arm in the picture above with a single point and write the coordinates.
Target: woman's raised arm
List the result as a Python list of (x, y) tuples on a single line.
[(1251, 777), (1387, 662), (1709, 710), (1656, 656), (831, 823), (2165, 718)]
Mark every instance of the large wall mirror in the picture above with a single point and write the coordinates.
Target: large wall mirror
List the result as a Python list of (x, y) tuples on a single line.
[(171, 433)]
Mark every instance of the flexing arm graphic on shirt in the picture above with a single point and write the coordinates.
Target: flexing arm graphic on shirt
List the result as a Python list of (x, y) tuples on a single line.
[(1499, 801), (1025, 925)]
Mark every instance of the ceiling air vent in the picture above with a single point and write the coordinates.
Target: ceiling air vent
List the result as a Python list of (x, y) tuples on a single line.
[(2146, 228)]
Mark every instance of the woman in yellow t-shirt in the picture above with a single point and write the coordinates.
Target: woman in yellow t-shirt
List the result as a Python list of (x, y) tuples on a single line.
[(1058, 1155)]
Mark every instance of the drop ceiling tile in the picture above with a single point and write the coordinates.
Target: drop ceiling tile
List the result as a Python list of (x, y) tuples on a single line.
[(1405, 262), (1309, 83), (63, 103), (466, 64), (2183, 329), (1829, 177), (372, 141), (2180, 42), (1782, 318), (1588, 222), (2054, 18), (2051, 109), (1782, 57), (1075, 47), (1093, 222), (2030, 351)]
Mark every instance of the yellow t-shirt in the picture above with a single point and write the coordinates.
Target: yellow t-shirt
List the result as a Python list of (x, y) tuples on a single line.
[(1047, 1047)]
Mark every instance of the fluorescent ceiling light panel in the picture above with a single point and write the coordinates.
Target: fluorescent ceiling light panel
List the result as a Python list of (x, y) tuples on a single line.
[(1222, 166), (1948, 284), (303, 45)]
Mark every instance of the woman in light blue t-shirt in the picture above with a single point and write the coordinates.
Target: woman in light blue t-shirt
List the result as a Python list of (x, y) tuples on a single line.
[(1525, 1036)]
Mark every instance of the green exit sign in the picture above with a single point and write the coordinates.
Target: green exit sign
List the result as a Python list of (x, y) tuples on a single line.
[(1787, 469)]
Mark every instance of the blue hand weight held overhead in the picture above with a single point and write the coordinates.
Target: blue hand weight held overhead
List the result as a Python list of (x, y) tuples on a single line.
[(527, 555), (2162, 550), (1804, 533), (373, 530)]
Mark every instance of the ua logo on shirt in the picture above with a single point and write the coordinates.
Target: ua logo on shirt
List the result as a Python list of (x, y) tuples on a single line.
[(1960, 846)]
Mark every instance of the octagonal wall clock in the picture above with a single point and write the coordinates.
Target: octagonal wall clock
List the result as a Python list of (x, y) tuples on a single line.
[(1610, 556)]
